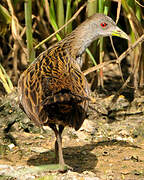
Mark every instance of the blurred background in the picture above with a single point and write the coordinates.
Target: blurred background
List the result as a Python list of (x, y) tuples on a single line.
[(110, 144), (20, 45)]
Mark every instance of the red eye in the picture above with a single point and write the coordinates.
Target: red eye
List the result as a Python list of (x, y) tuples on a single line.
[(103, 24)]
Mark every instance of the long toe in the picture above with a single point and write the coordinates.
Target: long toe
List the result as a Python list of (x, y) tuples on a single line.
[(64, 167)]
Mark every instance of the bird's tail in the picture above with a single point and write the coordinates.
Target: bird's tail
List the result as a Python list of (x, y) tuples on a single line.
[(64, 97)]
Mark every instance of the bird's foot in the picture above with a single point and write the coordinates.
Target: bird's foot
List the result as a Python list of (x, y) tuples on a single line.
[(64, 167)]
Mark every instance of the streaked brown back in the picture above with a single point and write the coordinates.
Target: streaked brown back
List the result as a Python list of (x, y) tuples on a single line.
[(54, 90)]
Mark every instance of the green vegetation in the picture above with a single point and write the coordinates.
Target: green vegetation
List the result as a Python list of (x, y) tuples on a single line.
[(26, 29)]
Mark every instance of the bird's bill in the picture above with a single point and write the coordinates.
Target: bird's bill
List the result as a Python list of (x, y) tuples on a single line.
[(118, 32)]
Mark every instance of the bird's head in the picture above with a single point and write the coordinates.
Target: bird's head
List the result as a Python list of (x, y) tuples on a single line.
[(102, 25), (94, 27)]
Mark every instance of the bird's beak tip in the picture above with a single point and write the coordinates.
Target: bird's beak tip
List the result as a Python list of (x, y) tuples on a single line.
[(118, 32), (124, 35)]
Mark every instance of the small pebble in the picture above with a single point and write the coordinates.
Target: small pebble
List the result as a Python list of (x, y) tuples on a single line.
[(11, 146), (105, 153)]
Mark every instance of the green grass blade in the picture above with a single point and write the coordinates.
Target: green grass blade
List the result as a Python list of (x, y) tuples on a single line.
[(54, 25), (28, 20), (91, 7), (5, 80), (60, 14), (68, 28), (52, 8), (91, 56), (101, 6), (4, 15), (107, 6)]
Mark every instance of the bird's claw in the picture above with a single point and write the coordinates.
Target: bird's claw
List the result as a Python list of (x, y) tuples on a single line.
[(64, 168)]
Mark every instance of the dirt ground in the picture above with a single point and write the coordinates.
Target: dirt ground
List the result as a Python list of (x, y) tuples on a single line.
[(109, 145)]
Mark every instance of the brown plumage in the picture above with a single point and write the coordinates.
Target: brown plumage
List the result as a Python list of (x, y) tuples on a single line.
[(53, 91)]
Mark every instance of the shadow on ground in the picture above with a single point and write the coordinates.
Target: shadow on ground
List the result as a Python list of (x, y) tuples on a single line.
[(80, 158)]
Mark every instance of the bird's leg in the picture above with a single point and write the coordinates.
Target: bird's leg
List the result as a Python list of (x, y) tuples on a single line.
[(59, 154), (56, 150), (58, 144), (53, 127)]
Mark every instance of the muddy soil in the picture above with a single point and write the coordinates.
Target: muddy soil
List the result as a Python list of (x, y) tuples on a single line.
[(109, 145)]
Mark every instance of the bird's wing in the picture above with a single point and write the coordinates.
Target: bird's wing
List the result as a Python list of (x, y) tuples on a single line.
[(63, 80), (52, 78), (30, 93)]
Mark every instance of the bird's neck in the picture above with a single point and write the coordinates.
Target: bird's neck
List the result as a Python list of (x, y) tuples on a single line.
[(77, 41), (81, 42)]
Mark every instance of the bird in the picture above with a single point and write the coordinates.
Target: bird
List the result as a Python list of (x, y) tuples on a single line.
[(53, 90)]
